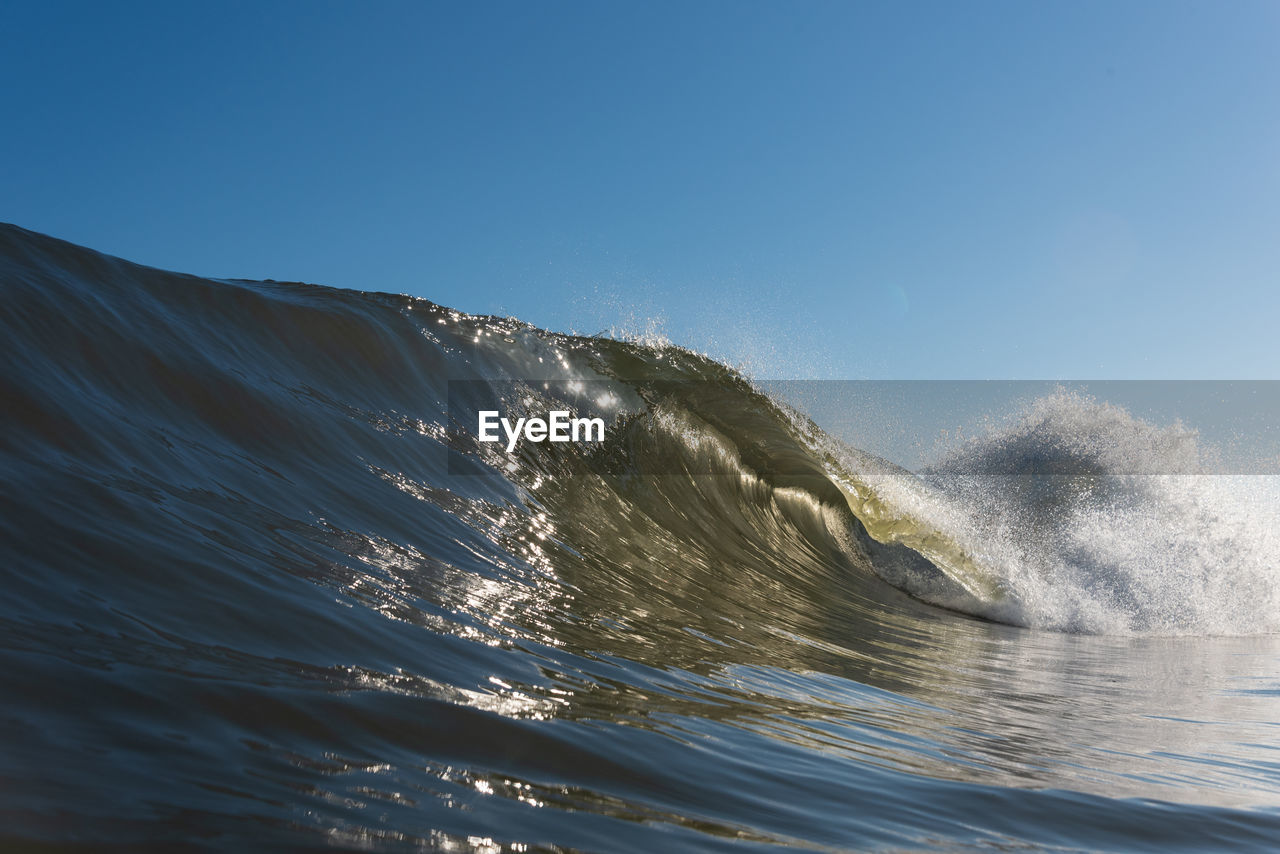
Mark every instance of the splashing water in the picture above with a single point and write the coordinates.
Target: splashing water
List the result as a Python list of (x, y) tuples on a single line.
[(1079, 517)]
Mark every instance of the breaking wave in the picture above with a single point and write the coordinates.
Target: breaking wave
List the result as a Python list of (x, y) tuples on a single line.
[(251, 527)]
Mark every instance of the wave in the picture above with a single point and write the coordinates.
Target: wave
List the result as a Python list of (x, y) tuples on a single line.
[(262, 579), (322, 409)]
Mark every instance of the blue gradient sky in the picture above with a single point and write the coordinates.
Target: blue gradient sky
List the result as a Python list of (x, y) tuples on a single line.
[(852, 190)]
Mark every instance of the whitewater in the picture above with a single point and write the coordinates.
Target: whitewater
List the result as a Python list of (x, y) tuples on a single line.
[(267, 588)]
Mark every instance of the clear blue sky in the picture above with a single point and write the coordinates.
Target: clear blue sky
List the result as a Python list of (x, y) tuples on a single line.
[(855, 190)]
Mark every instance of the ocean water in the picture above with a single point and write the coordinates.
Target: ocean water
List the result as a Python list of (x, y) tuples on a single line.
[(264, 589)]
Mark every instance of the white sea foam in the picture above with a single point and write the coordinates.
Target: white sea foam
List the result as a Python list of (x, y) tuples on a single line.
[(1090, 520)]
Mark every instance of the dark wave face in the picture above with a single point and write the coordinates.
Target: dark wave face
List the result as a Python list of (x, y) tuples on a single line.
[(264, 588)]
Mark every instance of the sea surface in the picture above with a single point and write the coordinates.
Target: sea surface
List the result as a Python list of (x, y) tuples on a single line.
[(264, 589)]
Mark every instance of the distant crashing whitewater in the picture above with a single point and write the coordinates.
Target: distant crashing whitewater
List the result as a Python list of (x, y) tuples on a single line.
[(1078, 517)]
